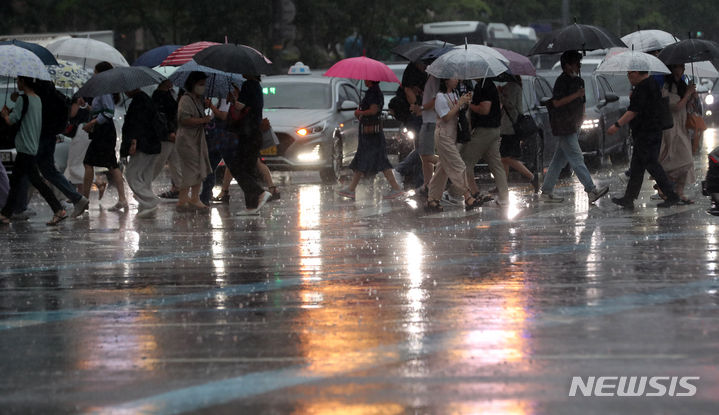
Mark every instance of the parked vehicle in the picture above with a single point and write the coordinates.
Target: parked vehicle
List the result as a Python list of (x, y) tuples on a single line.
[(313, 117)]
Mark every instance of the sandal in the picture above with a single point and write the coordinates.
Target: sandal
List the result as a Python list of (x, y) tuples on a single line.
[(223, 197), (434, 206), (4, 220), (58, 217), (475, 203), (118, 207), (275, 193), (686, 201)]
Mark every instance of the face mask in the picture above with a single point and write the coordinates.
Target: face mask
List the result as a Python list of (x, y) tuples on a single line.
[(199, 90)]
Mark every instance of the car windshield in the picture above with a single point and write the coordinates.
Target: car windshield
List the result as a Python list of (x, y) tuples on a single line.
[(391, 87), (589, 88), (297, 95)]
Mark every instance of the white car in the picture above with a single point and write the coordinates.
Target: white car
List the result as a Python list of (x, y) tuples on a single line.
[(313, 117)]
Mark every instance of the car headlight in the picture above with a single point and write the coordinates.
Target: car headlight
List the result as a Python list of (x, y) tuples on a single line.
[(408, 133), (310, 156), (315, 129), (709, 100), (590, 124)]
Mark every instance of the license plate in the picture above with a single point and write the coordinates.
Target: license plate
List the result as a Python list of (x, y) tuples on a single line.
[(6, 157), (269, 151)]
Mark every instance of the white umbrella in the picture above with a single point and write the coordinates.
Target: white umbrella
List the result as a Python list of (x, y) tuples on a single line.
[(466, 63), (704, 69), (165, 71), (485, 49), (86, 52), (15, 61), (649, 40), (632, 61)]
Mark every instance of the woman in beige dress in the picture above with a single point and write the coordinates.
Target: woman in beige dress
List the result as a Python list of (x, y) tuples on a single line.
[(190, 143), (675, 155)]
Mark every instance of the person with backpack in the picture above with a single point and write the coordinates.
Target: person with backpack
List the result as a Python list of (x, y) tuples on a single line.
[(54, 121), (644, 116), (166, 102), (566, 112), (28, 115), (142, 133)]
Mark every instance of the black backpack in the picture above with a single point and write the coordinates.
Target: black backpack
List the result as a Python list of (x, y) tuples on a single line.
[(55, 111), (8, 132), (160, 125), (400, 106)]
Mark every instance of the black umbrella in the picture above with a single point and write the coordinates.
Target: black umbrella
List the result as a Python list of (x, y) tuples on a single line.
[(413, 51), (576, 37), (690, 50), (42, 53), (120, 79), (234, 59)]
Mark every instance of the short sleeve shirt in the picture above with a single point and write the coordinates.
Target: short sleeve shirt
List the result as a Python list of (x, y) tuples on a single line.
[(483, 92), (444, 103), (373, 96), (431, 88), (251, 96), (413, 77), (567, 118)]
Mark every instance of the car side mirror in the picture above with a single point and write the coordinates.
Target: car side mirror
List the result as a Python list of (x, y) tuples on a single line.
[(609, 98), (348, 106)]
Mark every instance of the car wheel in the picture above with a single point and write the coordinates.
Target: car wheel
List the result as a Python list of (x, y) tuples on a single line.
[(330, 175), (624, 155)]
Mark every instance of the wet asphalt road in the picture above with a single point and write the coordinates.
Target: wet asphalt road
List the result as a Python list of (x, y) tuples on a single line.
[(325, 306)]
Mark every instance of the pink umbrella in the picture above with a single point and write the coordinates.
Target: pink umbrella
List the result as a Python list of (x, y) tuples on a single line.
[(184, 54), (363, 69), (518, 64)]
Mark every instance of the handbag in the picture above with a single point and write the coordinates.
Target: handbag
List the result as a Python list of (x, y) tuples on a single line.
[(371, 124), (464, 131), (269, 138), (695, 122), (524, 126)]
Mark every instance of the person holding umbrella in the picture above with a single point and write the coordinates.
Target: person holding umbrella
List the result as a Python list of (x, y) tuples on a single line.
[(644, 117), (190, 144), (28, 112), (165, 102), (675, 155), (103, 138), (141, 142), (566, 115)]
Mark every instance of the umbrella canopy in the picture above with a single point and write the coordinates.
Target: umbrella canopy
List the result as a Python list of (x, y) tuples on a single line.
[(415, 51), (435, 53), (482, 49), (690, 50), (576, 37), (41, 52), (234, 59), (68, 74), (649, 40), (120, 80), (154, 57), (165, 71), (704, 69), (218, 82), (467, 63), (185, 53), (632, 60), (16, 61), (87, 52), (518, 64), (363, 69)]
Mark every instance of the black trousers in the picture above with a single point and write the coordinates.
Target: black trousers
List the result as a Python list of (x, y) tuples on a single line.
[(646, 157), (243, 167), (26, 166)]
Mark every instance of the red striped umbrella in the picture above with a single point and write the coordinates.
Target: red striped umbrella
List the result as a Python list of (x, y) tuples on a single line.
[(184, 54)]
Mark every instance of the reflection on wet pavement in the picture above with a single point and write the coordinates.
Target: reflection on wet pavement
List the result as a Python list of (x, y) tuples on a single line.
[(325, 306)]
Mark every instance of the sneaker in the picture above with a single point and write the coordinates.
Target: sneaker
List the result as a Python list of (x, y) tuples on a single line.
[(264, 198), (656, 196), (625, 203), (550, 198), (393, 194), (80, 207), (669, 202), (535, 183), (597, 193), (147, 213), (449, 200), (172, 195), (346, 192)]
